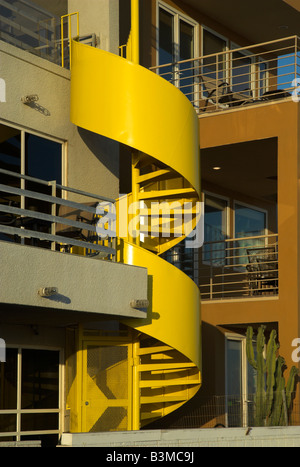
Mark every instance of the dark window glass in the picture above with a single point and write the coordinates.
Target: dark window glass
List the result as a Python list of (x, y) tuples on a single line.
[(8, 382), (40, 379), (43, 158)]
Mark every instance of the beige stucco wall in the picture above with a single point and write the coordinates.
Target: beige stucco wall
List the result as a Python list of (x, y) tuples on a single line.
[(91, 162), (100, 17), (84, 284)]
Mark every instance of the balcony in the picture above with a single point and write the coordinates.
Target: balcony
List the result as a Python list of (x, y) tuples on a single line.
[(36, 212), (29, 27), (244, 267), (254, 75), (59, 254)]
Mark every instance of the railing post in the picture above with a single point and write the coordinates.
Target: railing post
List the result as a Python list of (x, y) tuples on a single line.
[(295, 58), (217, 77), (211, 275), (53, 213), (135, 30)]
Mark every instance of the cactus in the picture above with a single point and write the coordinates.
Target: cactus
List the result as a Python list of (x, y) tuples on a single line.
[(271, 390)]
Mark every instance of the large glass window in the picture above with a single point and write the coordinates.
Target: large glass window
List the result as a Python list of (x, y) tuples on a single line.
[(43, 161), (30, 395), (177, 43), (166, 37), (240, 383), (241, 73), (43, 158), (22, 153), (215, 230), (214, 65), (249, 221), (250, 227)]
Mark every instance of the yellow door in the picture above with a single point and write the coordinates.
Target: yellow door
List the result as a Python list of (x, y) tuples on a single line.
[(106, 391)]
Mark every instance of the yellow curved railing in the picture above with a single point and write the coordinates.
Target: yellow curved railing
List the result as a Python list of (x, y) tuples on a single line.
[(125, 102)]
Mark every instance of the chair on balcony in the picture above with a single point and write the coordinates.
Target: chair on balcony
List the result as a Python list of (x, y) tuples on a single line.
[(219, 93), (262, 270), (275, 94)]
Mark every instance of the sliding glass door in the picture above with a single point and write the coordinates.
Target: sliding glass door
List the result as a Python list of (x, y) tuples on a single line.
[(177, 43), (215, 230), (250, 226), (240, 383)]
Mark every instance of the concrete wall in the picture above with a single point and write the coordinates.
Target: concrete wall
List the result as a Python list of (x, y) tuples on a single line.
[(84, 284), (214, 437), (100, 17), (91, 162)]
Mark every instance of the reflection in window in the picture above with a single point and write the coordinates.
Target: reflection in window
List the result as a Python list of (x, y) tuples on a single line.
[(8, 382), (249, 222), (166, 37), (29, 383), (240, 384), (186, 52), (241, 73), (25, 154), (42, 161), (43, 158), (215, 230), (214, 68), (177, 43), (263, 78)]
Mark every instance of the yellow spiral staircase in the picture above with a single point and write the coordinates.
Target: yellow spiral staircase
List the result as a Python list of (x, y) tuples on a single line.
[(117, 98)]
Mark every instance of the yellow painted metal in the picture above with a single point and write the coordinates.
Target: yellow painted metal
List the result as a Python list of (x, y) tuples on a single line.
[(135, 30), (136, 108), (106, 385), (69, 36), (121, 100)]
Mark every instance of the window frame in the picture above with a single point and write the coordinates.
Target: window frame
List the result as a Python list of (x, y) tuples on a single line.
[(253, 207), (227, 226), (178, 15), (24, 131), (244, 376), (18, 434), (234, 47)]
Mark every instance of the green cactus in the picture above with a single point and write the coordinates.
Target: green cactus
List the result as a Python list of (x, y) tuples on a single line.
[(271, 389)]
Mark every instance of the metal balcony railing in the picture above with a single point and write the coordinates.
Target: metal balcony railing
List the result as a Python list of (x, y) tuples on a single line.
[(228, 411), (35, 212), (32, 28), (238, 77), (239, 268)]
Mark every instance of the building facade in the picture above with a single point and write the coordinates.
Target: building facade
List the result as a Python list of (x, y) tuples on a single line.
[(240, 71), (104, 108), (92, 337)]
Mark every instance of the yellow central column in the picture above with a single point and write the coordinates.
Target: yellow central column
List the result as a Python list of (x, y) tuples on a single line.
[(135, 57), (135, 31)]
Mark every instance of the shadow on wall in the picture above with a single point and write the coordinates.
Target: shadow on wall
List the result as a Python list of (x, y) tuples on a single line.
[(212, 365), (104, 149)]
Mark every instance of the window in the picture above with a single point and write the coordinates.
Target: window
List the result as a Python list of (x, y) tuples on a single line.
[(263, 78), (241, 79), (240, 70), (250, 225), (240, 383), (30, 395), (24, 153), (215, 230), (176, 43), (214, 67)]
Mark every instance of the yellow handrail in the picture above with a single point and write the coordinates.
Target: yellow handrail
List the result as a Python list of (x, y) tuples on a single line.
[(69, 16)]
